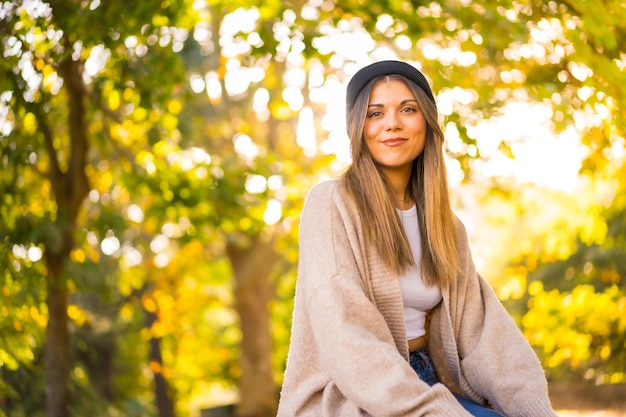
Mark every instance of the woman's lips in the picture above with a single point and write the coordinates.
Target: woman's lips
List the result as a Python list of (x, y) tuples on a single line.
[(394, 141)]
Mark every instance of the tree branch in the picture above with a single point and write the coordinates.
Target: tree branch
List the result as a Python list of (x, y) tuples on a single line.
[(76, 181), (55, 175), (96, 98)]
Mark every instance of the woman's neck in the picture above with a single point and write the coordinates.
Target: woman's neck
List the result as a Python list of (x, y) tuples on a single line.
[(400, 186)]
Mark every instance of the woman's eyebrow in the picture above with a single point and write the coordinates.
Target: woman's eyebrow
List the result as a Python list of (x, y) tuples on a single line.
[(403, 102)]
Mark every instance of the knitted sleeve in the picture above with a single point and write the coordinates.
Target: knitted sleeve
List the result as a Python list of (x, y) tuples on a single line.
[(497, 362)]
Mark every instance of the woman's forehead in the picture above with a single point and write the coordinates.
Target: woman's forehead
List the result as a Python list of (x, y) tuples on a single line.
[(388, 87)]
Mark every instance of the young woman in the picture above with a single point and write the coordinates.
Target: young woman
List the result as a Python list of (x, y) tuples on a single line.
[(391, 318)]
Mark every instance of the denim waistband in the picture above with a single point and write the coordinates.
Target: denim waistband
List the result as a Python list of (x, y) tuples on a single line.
[(423, 366)]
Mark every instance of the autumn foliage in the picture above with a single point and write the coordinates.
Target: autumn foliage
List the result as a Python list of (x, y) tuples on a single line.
[(154, 158)]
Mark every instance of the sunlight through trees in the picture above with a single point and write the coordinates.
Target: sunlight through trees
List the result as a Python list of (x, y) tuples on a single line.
[(154, 158)]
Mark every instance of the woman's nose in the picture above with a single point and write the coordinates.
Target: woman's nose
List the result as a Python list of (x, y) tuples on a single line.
[(393, 121)]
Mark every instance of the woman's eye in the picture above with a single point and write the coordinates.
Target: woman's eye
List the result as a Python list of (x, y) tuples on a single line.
[(374, 114), (409, 110)]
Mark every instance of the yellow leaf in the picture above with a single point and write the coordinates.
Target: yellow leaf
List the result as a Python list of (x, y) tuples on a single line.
[(145, 334), (94, 256), (169, 122), (158, 330), (39, 318), (280, 110), (535, 288), (105, 179), (127, 312), (114, 100), (140, 114), (155, 367), (149, 304), (78, 255), (30, 123), (127, 94), (166, 301), (605, 351), (160, 20), (174, 106), (79, 373), (75, 313)]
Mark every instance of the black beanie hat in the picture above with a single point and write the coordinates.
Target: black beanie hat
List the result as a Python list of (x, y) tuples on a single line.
[(368, 73)]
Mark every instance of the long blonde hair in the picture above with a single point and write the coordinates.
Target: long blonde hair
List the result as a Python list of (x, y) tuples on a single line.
[(428, 187)]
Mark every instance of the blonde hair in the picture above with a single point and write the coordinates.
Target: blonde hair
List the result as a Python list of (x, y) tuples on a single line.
[(428, 186)]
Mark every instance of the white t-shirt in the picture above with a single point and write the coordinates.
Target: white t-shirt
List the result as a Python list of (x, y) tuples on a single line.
[(417, 297)]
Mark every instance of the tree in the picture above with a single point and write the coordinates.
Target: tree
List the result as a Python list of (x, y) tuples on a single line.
[(567, 279), (60, 113)]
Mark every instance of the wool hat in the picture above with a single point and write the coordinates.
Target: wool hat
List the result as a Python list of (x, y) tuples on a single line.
[(368, 73)]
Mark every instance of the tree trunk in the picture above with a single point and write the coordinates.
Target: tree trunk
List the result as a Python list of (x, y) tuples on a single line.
[(57, 357), (70, 189), (164, 403), (252, 266)]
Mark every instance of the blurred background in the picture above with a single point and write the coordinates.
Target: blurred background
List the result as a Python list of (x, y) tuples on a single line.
[(154, 159)]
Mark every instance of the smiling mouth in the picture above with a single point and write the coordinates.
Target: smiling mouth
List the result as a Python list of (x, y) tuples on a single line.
[(394, 141)]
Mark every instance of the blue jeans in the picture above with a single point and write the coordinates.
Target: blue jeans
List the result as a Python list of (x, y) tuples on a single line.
[(423, 366)]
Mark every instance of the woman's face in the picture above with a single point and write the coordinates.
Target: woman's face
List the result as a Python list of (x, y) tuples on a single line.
[(395, 128)]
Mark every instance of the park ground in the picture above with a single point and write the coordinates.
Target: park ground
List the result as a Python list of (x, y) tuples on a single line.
[(578, 400)]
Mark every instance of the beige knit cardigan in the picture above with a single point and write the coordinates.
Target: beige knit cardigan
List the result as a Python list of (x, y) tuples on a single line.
[(349, 355)]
